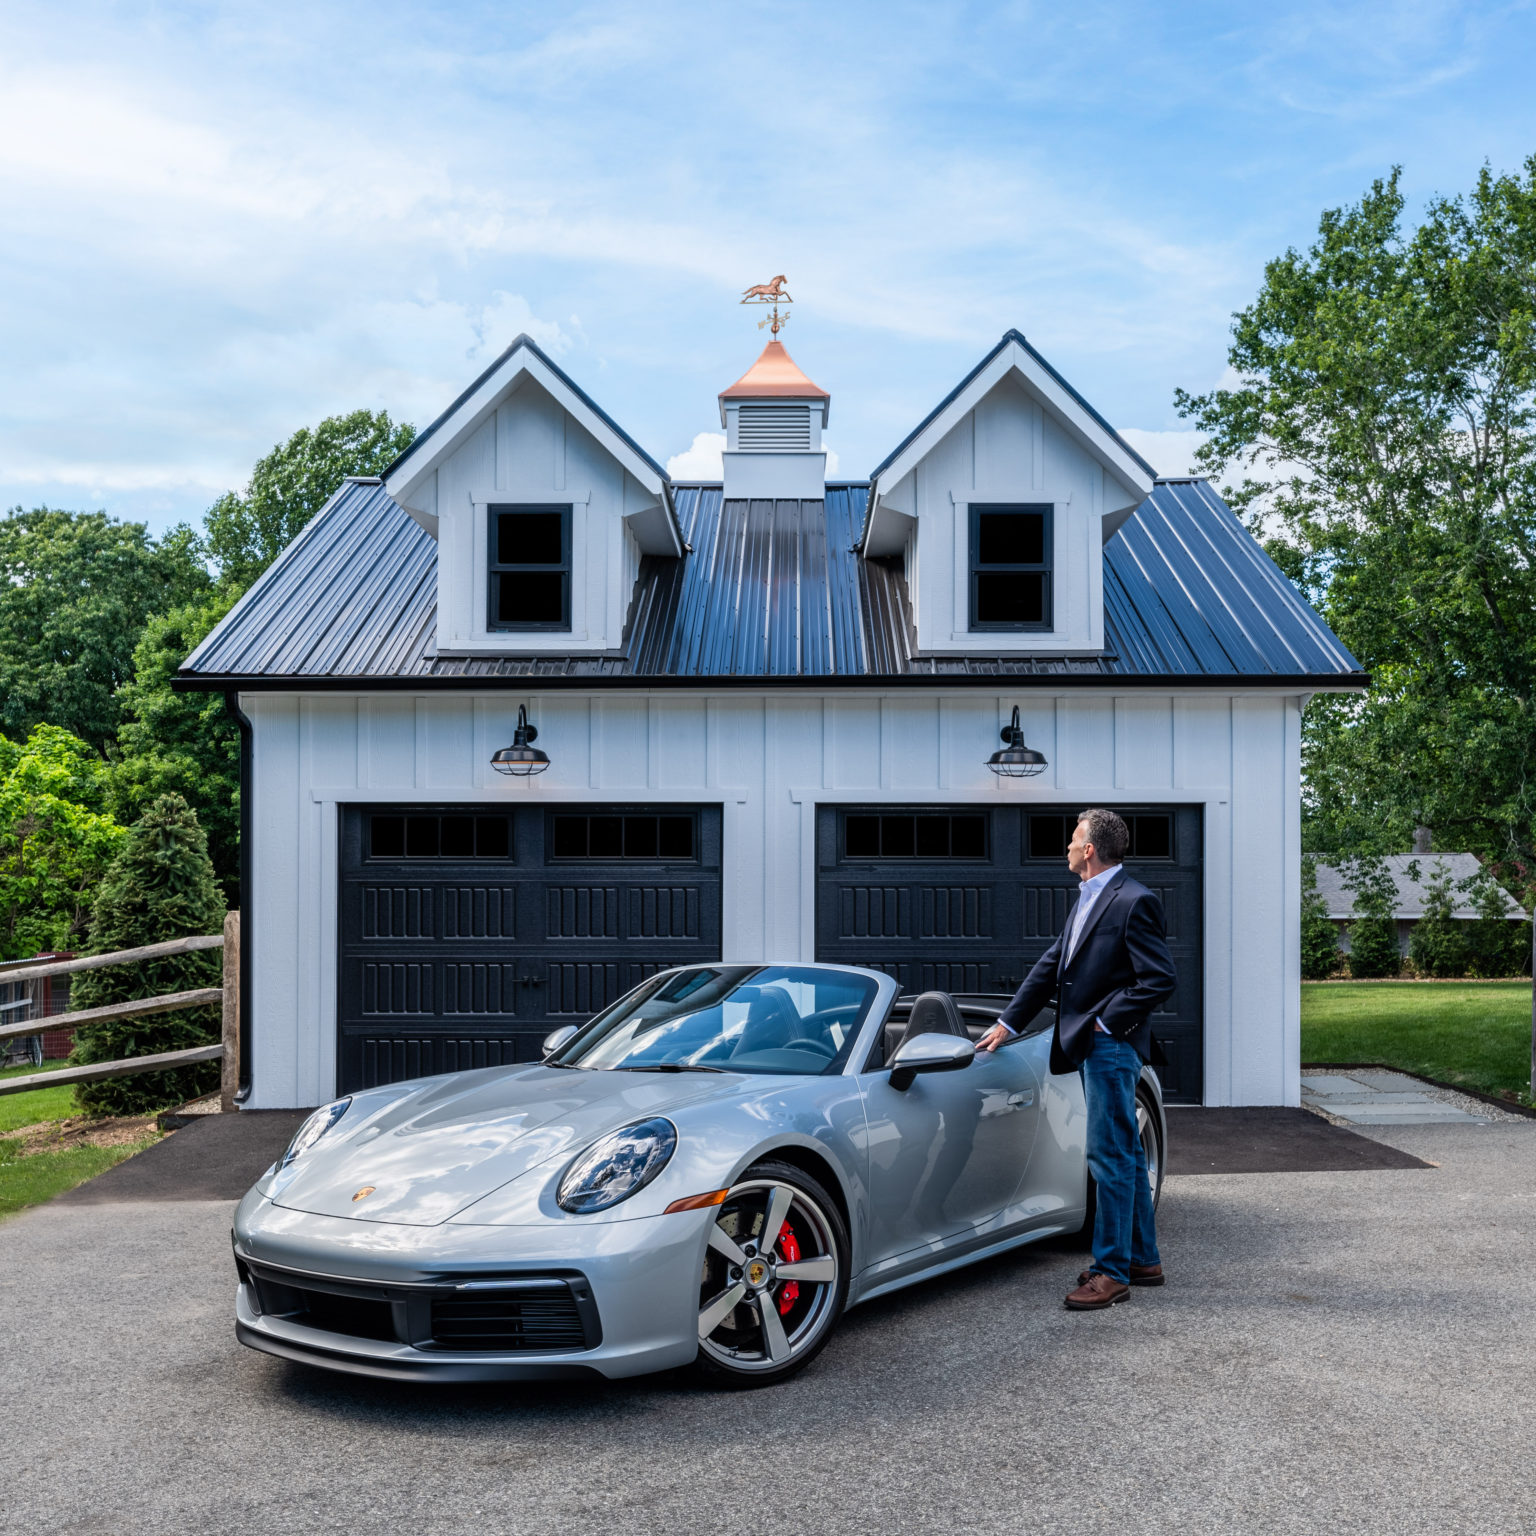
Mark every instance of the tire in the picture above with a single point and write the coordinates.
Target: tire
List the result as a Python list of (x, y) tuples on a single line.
[(769, 1332), (1152, 1146)]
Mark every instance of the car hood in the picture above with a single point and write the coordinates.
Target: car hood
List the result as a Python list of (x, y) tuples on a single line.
[(451, 1141)]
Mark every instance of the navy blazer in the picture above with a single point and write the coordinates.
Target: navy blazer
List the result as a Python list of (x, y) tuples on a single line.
[(1120, 971)]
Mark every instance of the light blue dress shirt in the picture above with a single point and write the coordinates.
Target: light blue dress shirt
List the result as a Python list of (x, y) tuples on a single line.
[(1088, 897)]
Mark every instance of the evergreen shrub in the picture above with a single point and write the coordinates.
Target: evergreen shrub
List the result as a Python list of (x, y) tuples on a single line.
[(160, 886), (1373, 950), (1319, 938), (1439, 943)]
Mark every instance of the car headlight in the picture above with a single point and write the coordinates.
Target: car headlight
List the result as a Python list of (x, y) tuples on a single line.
[(319, 1124), (616, 1167)]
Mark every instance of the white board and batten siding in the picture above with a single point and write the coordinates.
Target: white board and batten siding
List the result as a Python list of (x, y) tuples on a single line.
[(768, 759), (1007, 449), (529, 450)]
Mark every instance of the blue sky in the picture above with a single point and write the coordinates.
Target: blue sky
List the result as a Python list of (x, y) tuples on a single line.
[(223, 223)]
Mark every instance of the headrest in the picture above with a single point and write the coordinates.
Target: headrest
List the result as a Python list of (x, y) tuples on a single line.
[(934, 1013)]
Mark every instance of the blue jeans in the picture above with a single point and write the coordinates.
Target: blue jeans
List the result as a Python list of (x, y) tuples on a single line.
[(1124, 1232)]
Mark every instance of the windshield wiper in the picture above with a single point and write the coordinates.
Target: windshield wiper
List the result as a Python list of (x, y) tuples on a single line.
[(670, 1066)]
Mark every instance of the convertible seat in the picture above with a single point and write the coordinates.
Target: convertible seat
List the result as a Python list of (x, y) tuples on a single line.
[(771, 1022), (933, 1013)]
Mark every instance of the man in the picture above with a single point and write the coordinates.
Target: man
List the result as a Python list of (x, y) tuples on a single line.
[(1109, 969)]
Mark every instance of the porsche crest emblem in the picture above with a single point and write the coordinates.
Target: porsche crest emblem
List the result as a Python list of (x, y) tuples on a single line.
[(757, 1272), (364, 1192)]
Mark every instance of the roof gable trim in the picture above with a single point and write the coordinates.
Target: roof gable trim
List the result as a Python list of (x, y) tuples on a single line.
[(524, 356), (1014, 353)]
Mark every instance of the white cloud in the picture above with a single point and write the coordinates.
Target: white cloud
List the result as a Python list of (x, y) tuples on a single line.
[(701, 461), (1169, 453)]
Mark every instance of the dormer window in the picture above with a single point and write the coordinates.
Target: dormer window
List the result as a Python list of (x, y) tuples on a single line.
[(1010, 567), (530, 568)]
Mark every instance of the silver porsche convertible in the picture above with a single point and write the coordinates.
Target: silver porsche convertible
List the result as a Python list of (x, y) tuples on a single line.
[(707, 1173)]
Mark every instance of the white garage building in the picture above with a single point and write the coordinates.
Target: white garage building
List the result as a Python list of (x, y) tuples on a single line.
[(768, 707)]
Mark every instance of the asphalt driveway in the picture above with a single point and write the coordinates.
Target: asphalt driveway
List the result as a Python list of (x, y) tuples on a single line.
[(1347, 1351)]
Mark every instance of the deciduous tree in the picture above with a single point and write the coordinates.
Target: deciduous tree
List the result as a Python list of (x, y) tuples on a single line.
[(1385, 423), (246, 533)]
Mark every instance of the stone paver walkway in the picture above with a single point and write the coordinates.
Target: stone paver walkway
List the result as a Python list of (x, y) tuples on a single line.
[(1374, 1096)]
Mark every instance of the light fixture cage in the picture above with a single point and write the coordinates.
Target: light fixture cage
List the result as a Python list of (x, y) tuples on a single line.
[(522, 759), (1016, 761)]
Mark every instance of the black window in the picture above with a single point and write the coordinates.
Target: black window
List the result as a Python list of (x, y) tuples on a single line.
[(622, 836), (914, 835), (530, 565), (432, 836), (1151, 834), (1010, 567)]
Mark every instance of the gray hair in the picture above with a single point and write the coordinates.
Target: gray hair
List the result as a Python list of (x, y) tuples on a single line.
[(1108, 833)]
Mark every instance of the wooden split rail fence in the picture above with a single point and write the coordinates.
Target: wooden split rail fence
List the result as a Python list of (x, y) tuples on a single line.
[(227, 1051)]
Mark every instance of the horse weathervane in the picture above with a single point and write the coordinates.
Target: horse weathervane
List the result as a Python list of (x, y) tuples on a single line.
[(770, 293)]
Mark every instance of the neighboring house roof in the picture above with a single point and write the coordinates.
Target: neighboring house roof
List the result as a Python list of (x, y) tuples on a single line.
[(1411, 893), (771, 590)]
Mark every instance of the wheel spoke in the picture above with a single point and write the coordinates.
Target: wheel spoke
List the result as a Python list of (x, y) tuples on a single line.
[(821, 1270), (726, 1245), (717, 1311), (778, 1208), (775, 1341)]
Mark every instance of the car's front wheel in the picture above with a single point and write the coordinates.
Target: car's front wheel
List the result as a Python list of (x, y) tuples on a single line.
[(775, 1277)]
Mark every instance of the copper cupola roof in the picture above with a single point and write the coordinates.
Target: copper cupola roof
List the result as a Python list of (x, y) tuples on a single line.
[(774, 376)]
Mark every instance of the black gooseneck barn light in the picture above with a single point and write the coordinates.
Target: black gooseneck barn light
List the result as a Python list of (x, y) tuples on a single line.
[(522, 759), (1016, 761)]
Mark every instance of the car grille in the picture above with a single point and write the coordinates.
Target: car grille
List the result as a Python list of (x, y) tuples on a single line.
[(530, 1320), (508, 1315)]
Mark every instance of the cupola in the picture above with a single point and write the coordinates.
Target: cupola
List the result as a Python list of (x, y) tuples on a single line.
[(773, 418)]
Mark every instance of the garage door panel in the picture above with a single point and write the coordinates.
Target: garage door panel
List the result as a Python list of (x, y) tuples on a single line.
[(479, 912), (976, 921), (397, 911), (466, 936), (583, 912)]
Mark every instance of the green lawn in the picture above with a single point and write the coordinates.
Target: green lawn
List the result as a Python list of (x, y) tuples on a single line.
[(1473, 1033), (28, 1181), (19, 1109)]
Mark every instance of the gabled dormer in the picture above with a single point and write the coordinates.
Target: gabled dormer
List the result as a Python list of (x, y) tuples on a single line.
[(998, 505), (541, 506)]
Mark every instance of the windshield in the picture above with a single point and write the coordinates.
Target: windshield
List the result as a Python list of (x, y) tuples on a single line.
[(728, 1018)]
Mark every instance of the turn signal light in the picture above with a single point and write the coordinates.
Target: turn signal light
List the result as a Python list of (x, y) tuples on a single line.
[(697, 1202)]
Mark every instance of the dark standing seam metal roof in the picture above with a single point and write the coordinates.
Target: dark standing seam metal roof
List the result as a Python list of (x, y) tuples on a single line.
[(530, 345), (965, 383), (772, 590)]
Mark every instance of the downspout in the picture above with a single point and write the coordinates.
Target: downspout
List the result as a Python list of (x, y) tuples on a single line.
[(241, 719)]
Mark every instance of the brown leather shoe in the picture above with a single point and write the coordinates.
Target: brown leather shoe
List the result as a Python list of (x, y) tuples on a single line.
[(1141, 1274), (1097, 1292)]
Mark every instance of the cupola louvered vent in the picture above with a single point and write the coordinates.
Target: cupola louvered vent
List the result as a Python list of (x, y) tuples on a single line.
[(774, 428)]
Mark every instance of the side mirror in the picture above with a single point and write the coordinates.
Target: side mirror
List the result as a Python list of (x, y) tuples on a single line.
[(929, 1053), (557, 1038)]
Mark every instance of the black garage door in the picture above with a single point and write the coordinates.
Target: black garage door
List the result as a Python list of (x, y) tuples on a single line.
[(966, 899), (469, 932)]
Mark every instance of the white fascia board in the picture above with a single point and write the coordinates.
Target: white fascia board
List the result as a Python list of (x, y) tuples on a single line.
[(471, 412), (1056, 399)]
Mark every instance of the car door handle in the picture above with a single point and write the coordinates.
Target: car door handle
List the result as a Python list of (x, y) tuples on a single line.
[(1021, 1100)]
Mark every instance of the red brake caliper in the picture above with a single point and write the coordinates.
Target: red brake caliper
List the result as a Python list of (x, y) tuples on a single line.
[(789, 1253)]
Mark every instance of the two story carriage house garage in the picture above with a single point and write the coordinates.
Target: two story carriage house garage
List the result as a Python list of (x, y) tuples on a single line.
[(768, 707)]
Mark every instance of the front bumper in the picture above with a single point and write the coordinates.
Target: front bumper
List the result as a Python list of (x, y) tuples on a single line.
[(620, 1297)]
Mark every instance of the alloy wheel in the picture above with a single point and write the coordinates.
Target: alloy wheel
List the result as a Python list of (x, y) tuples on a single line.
[(770, 1286)]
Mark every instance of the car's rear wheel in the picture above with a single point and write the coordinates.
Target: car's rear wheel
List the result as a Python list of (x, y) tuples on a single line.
[(775, 1277)]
